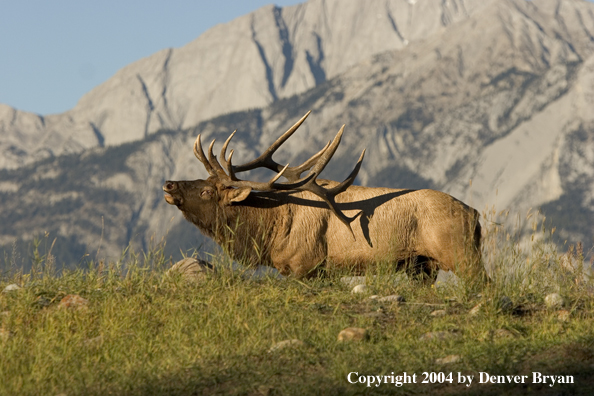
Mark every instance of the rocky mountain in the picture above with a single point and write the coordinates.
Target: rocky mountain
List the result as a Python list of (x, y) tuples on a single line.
[(490, 101), (251, 62)]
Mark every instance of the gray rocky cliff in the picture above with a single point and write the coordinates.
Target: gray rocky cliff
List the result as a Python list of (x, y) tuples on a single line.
[(249, 62)]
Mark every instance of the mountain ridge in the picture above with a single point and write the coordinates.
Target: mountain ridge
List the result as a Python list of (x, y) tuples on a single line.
[(268, 54)]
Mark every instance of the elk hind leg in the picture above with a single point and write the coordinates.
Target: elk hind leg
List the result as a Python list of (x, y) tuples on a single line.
[(421, 268)]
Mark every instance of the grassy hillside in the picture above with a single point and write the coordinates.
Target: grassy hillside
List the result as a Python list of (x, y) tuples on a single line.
[(142, 331)]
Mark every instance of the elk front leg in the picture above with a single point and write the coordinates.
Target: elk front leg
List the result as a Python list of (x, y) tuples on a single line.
[(298, 262)]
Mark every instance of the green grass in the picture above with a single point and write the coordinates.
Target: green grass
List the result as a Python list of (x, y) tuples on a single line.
[(145, 332)]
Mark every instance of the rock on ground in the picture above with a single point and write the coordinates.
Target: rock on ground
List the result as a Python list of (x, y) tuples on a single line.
[(73, 301), (563, 315), (294, 343), (554, 301), (392, 298), (352, 281), (191, 269), (449, 359), (11, 287), (353, 334), (359, 289)]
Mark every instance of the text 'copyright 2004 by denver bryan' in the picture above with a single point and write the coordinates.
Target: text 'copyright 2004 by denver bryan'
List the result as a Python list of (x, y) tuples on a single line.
[(400, 379)]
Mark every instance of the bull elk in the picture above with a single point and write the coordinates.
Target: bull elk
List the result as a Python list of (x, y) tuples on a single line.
[(306, 222)]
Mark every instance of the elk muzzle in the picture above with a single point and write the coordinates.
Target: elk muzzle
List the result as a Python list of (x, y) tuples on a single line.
[(172, 193)]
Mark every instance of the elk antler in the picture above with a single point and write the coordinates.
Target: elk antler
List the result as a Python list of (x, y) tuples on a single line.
[(315, 165), (215, 170), (329, 195), (265, 159)]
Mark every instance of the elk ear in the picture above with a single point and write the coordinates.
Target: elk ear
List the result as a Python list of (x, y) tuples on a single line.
[(237, 194)]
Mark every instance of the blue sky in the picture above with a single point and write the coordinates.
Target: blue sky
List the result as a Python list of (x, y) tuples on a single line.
[(53, 52)]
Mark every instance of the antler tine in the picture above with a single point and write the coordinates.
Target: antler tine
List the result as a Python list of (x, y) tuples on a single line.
[(212, 160), (341, 216), (267, 186), (329, 195), (294, 173), (350, 179), (230, 167), (270, 185), (223, 156), (199, 153), (328, 153), (265, 160)]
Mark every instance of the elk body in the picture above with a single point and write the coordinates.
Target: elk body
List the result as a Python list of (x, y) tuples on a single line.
[(306, 223)]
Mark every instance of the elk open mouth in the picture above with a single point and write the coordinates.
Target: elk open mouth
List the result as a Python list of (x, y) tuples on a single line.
[(171, 200)]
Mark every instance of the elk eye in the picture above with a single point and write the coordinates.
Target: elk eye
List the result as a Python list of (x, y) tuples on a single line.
[(207, 193)]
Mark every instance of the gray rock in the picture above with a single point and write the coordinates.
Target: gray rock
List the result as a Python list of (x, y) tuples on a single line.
[(554, 301), (294, 343), (450, 359), (397, 298), (446, 279), (353, 334), (262, 272), (359, 289), (191, 269), (11, 287), (352, 281)]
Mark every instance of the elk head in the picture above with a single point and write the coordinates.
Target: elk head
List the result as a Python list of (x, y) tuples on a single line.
[(201, 200)]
